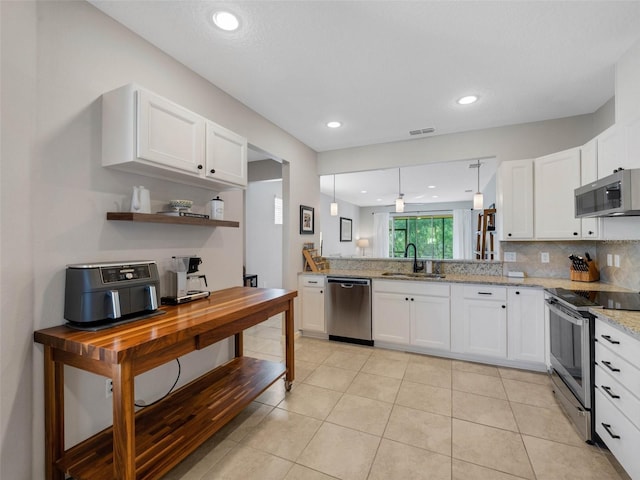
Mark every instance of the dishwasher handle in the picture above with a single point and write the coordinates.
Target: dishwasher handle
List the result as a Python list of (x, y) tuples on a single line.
[(350, 282)]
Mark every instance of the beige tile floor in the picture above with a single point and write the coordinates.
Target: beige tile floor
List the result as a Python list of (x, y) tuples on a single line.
[(359, 413)]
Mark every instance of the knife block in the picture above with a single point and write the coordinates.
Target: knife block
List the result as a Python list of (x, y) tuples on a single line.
[(592, 275)]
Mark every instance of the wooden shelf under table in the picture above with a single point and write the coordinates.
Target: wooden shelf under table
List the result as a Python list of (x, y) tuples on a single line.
[(170, 430)]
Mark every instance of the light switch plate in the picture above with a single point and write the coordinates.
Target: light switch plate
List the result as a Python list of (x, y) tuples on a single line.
[(544, 257), (616, 261), (609, 260), (509, 256)]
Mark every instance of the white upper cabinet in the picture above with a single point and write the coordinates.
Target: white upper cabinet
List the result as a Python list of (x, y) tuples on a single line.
[(226, 155), (168, 134), (515, 200), (612, 150), (147, 134), (589, 174), (556, 177)]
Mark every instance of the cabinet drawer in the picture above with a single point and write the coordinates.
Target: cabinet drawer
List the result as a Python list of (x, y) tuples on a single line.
[(313, 281), (610, 423), (480, 291), (625, 373), (618, 395), (411, 288), (618, 342)]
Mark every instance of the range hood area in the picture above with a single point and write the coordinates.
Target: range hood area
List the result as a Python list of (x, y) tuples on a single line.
[(617, 195)]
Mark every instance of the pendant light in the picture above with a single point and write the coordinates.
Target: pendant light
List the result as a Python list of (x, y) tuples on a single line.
[(400, 199), (334, 205), (478, 199)]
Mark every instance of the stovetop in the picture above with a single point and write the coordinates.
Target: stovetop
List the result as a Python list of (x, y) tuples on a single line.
[(583, 299)]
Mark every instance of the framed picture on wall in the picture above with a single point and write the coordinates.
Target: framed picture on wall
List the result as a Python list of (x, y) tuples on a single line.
[(306, 220), (346, 225)]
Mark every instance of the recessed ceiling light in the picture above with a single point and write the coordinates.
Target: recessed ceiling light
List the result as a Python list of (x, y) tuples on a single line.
[(431, 186), (334, 124), (363, 191), (435, 196), (378, 199), (468, 99), (226, 21)]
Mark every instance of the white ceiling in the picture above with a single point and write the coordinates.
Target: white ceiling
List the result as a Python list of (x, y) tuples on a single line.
[(384, 68)]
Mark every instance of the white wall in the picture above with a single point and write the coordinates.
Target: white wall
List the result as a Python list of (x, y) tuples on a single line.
[(264, 238), (505, 143), (57, 59), (628, 86)]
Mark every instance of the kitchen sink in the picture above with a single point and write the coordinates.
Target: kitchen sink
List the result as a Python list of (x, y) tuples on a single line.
[(413, 275)]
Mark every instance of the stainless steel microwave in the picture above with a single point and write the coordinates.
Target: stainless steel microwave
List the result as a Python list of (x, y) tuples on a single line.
[(612, 196)]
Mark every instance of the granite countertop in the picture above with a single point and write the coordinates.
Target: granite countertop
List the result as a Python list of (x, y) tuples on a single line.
[(626, 321)]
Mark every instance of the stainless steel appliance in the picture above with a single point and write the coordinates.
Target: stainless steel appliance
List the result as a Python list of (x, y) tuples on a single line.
[(571, 331), (102, 295), (185, 283), (615, 195), (348, 310)]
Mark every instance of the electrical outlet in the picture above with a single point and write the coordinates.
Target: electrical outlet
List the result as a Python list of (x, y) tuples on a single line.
[(544, 257), (509, 256), (108, 388), (609, 260), (616, 261)]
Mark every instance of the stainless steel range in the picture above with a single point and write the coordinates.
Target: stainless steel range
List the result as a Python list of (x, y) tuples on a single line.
[(571, 328)]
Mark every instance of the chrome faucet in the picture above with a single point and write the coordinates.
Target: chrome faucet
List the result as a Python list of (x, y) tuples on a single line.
[(416, 267)]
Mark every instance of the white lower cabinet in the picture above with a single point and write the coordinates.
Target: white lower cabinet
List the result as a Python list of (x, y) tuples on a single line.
[(411, 313), (391, 318), (313, 290), (617, 387), (526, 325), (479, 320)]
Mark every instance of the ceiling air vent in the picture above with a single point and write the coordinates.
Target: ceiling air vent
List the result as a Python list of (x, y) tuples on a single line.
[(422, 131)]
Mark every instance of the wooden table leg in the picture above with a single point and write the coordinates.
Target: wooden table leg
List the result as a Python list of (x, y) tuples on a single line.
[(124, 435), (53, 414), (239, 344), (289, 346)]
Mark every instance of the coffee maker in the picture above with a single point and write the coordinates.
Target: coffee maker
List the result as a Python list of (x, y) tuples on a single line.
[(185, 282)]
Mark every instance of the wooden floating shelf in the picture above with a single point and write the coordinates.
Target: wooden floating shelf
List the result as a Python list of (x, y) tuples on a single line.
[(157, 218), (170, 430)]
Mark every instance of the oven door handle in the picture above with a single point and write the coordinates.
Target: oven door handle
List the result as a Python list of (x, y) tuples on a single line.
[(569, 318)]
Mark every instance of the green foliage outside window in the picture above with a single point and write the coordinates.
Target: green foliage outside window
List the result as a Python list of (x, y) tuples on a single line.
[(432, 235)]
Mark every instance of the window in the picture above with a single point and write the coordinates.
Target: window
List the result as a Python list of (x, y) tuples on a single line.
[(277, 210), (432, 235)]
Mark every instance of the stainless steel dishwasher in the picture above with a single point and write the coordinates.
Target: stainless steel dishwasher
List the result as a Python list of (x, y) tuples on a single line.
[(348, 310)]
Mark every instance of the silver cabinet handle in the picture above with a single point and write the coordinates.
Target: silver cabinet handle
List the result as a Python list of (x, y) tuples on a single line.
[(485, 293), (152, 300), (114, 303)]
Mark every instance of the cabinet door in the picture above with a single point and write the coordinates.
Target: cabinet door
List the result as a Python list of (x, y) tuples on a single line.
[(633, 144), (483, 328), (226, 155), (612, 150), (431, 322), (556, 178), (526, 324), (391, 318), (515, 200), (169, 134), (589, 174), (313, 309)]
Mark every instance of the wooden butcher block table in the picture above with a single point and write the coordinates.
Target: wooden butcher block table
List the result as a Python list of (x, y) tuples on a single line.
[(147, 444)]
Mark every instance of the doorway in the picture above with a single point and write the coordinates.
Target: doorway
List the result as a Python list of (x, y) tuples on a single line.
[(265, 219)]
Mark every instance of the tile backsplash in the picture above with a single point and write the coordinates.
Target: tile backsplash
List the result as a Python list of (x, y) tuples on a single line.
[(528, 259)]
